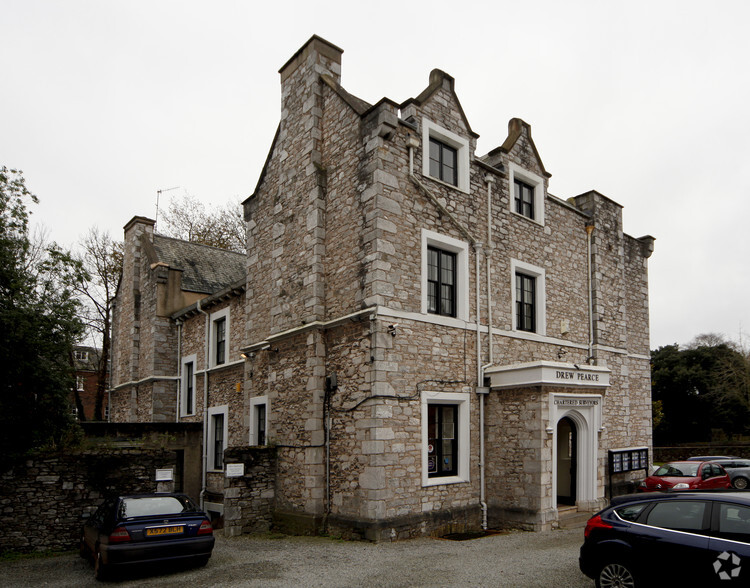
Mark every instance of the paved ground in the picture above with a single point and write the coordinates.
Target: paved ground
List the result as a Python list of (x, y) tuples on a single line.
[(516, 559)]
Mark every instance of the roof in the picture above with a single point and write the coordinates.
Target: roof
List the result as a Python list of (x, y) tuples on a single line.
[(204, 269)]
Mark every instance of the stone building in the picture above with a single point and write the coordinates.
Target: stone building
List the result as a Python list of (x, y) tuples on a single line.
[(428, 337)]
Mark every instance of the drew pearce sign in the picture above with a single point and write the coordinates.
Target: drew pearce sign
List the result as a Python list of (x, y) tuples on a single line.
[(578, 376), (549, 373)]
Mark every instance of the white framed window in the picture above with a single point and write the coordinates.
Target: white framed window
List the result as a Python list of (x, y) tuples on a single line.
[(529, 297), (445, 288), (80, 354), (445, 156), (259, 420), (80, 382), (187, 385), (445, 437), (526, 193), (218, 431), (219, 353)]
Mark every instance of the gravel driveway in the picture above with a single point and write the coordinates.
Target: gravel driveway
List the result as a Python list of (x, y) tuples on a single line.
[(515, 559)]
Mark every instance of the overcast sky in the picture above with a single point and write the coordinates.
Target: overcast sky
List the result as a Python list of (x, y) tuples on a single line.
[(103, 103)]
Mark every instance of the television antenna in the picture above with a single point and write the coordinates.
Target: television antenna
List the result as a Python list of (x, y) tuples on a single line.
[(158, 195)]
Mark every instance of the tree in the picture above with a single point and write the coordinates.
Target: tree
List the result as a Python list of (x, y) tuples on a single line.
[(701, 389), (100, 263), (38, 326), (188, 219)]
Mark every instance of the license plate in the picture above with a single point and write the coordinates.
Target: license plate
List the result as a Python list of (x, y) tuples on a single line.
[(154, 531)]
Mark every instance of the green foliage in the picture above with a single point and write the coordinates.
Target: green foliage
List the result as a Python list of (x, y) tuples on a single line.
[(698, 389), (38, 326)]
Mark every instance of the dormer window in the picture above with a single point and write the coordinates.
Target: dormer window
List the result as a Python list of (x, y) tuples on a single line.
[(445, 156), (527, 193), (443, 162), (524, 198)]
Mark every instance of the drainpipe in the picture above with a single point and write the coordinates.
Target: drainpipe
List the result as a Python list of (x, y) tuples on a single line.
[(589, 231), (205, 405), (488, 259), (179, 371), (413, 144), (490, 180)]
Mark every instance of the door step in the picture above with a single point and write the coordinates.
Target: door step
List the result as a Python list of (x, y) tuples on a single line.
[(569, 517)]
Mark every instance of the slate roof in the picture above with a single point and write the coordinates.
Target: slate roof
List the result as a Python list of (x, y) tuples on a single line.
[(204, 269)]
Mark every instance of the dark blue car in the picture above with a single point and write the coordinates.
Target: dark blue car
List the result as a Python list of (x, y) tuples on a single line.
[(670, 539), (146, 528)]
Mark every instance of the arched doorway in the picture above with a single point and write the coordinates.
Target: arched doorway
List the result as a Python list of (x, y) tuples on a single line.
[(567, 453)]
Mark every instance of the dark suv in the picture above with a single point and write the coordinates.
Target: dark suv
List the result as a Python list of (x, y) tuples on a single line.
[(696, 538)]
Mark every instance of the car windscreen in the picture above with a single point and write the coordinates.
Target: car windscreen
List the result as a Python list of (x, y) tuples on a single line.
[(146, 506), (689, 470)]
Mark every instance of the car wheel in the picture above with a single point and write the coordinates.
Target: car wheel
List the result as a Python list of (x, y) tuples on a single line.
[(616, 574), (100, 570), (740, 483)]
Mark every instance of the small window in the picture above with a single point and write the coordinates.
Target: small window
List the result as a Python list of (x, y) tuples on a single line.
[(189, 383), (258, 420), (80, 382), (524, 198), (442, 438), (218, 441), (443, 162), (221, 341), (260, 423), (679, 515), (525, 303), (441, 282), (81, 355)]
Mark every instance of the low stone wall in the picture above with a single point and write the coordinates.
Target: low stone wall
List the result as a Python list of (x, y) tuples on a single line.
[(42, 500), (662, 454), (249, 500)]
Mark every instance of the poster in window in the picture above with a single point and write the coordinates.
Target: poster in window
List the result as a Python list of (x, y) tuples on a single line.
[(616, 462), (644, 458), (635, 460), (625, 462), (431, 464), (448, 431)]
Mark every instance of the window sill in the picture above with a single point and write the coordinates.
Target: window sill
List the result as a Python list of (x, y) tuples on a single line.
[(526, 218), (446, 184), (444, 481)]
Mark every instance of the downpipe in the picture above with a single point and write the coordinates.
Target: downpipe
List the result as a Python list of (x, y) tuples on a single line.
[(204, 467)]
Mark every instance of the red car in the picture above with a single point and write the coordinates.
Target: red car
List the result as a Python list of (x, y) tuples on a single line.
[(686, 475)]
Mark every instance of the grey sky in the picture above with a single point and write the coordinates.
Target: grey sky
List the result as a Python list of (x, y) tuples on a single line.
[(105, 102)]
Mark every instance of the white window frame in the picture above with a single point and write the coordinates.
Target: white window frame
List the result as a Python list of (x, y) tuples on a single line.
[(216, 316), (461, 249), (540, 303), (80, 383), (254, 404), (463, 402), (212, 412), (515, 172), (432, 131), (186, 410)]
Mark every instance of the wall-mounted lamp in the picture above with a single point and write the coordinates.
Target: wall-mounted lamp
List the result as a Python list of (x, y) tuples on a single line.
[(392, 329)]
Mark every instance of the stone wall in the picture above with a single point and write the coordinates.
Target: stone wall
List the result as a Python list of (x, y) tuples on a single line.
[(249, 499), (42, 500)]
